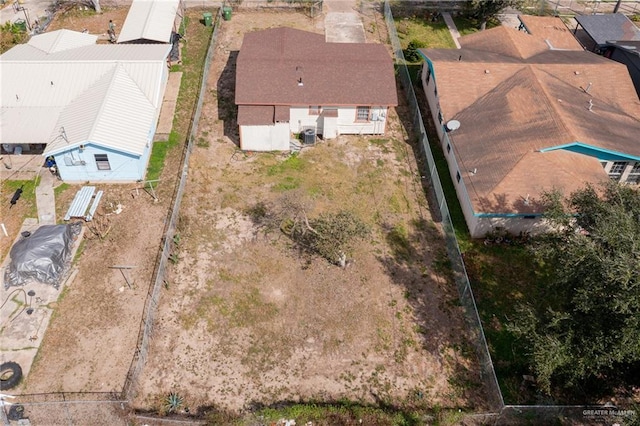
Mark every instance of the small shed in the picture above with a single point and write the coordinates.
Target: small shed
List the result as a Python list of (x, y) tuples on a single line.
[(151, 21)]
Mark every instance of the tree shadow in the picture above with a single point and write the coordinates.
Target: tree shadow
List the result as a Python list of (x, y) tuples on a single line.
[(500, 203), (225, 89), (418, 262), (409, 126)]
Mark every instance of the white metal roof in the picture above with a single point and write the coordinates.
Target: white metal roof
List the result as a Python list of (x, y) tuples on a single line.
[(149, 20), (92, 53), (28, 125), (39, 89), (57, 41), (101, 117)]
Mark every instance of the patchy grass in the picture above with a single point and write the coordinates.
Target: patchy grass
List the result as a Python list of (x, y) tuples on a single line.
[(58, 190), (501, 277), (432, 34), (194, 51), (158, 155), (27, 198), (466, 25)]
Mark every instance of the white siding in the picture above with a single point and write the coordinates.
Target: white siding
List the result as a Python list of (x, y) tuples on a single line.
[(300, 119), (346, 123), (265, 138)]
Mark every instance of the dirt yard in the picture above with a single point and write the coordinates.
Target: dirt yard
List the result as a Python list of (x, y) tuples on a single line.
[(246, 321), (89, 345)]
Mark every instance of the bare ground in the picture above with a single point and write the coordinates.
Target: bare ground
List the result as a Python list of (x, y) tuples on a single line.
[(246, 321)]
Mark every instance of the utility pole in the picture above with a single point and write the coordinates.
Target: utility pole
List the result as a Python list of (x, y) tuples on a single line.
[(615, 9)]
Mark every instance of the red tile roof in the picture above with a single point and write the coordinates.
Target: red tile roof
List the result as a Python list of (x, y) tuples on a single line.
[(272, 63), (512, 103)]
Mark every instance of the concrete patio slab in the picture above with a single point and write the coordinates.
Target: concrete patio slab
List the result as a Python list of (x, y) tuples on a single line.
[(344, 27), (168, 109)]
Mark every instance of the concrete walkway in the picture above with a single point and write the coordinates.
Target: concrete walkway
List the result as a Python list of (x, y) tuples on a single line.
[(452, 27), (45, 199), (342, 23), (168, 109)]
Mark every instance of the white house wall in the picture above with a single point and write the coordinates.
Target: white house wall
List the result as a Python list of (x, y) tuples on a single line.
[(346, 123), (265, 138), (300, 119)]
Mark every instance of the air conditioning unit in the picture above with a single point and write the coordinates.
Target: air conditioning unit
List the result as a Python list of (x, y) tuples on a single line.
[(309, 136)]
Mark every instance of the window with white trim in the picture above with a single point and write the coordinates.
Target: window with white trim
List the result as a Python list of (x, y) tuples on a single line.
[(102, 161), (616, 170), (362, 113), (315, 110), (634, 174)]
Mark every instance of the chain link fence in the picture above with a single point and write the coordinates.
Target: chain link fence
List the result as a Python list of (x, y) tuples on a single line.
[(488, 376), (153, 297)]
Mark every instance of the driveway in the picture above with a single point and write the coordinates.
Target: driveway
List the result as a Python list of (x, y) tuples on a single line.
[(342, 22)]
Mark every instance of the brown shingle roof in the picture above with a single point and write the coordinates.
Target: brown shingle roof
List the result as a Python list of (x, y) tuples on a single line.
[(271, 63), (511, 109), (552, 30), (255, 115), (504, 41)]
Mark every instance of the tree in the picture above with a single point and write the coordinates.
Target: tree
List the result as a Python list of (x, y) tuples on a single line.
[(329, 235), (411, 52), (584, 323), (483, 10)]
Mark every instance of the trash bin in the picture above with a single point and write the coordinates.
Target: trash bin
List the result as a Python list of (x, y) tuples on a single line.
[(226, 13), (208, 19), (21, 24)]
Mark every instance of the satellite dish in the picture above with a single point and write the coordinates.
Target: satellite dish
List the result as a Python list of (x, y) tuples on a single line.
[(453, 125)]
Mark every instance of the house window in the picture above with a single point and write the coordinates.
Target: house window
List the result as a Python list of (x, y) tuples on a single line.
[(634, 175), (529, 216), (458, 177), (362, 113), (315, 110), (448, 148), (440, 118), (102, 162), (428, 73), (617, 169)]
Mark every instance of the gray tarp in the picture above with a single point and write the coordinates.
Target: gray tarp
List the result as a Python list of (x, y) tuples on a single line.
[(43, 256)]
